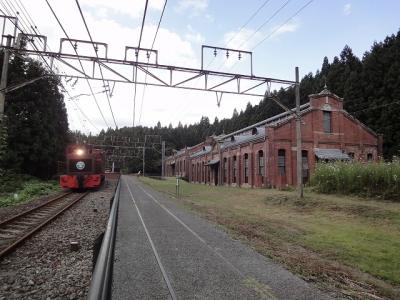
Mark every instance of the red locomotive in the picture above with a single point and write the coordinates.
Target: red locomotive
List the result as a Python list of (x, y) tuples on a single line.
[(84, 167)]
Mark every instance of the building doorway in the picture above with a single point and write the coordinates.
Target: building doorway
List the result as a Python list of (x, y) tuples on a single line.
[(216, 167)]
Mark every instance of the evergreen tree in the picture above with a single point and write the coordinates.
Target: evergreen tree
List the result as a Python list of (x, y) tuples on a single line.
[(37, 120)]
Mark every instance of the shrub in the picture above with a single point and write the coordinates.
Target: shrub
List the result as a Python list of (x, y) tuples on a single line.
[(380, 179)]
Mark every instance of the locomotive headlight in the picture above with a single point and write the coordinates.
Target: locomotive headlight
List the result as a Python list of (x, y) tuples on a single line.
[(79, 152)]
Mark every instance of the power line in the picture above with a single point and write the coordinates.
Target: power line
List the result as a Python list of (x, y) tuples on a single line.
[(248, 21), (137, 56), (49, 67), (283, 24), (95, 50), (267, 21), (80, 62), (36, 31), (152, 46), (259, 28), (241, 28)]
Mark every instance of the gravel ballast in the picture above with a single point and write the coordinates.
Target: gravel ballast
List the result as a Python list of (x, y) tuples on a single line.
[(45, 266)]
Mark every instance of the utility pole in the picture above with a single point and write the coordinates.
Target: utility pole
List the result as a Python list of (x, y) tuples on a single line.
[(4, 73), (298, 138), (162, 159)]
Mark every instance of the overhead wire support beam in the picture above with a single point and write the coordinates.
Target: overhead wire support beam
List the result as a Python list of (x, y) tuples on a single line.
[(151, 70), (227, 53)]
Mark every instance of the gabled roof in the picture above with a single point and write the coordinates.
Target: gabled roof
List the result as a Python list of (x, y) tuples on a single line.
[(235, 140), (325, 92), (205, 150)]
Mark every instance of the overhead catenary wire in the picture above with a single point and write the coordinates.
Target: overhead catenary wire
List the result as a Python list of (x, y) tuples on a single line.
[(101, 70), (276, 12), (283, 24), (266, 22), (242, 27), (47, 64), (280, 26), (80, 62), (137, 57), (247, 22), (152, 46)]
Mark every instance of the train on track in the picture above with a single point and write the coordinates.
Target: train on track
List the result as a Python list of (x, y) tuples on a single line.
[(84, 168)]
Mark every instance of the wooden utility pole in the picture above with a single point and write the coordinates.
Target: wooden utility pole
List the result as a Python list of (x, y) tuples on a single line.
[(298, 138), (4, 73)]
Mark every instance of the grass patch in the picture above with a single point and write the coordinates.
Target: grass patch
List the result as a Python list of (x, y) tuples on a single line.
[(379, 179), (17, 189), (341, 242)]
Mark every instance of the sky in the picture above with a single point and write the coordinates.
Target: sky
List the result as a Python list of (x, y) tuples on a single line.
[(279, 40)]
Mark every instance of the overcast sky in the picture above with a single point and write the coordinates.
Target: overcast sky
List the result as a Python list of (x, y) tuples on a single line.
[(320, 29)]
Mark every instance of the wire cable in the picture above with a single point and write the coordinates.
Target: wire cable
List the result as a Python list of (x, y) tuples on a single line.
[(80, 62), (247, 22), (258, 29), (95, 51), (283, 24), (137, 57), (266, 22), (44, 60), (152, 46)]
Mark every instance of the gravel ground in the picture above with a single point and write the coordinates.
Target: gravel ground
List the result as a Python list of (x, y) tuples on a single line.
[(45, 267), (9, 211)]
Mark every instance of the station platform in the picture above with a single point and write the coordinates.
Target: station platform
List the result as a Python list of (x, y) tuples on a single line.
[(163, 251)]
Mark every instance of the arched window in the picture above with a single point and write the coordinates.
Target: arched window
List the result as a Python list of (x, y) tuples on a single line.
[(327, 117), (246, 168), (261, 163), (234, 173), (281, 162), (370, 157)]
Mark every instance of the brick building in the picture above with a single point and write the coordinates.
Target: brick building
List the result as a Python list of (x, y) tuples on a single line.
[(264, 154)]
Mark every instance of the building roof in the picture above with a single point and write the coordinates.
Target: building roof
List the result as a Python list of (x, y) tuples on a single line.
[(205, 150), (234, 140), (331, 154), (325, 92)]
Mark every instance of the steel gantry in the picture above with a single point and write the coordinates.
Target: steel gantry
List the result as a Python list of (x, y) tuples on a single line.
[(124, 70)]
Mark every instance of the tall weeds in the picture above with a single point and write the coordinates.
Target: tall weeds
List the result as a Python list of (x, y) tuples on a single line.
[(355, 178)]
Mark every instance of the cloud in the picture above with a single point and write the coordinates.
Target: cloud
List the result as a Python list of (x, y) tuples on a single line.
[(279, 30), (131, 8), (347, 9), (194, 36), (243, 39), (194, 6)]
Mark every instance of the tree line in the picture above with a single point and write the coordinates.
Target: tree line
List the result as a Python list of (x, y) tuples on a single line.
[(35, 132)]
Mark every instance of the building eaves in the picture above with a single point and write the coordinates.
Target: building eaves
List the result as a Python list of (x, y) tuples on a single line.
[(207, 149)]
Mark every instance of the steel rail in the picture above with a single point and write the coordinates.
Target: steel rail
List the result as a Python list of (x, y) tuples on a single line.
[(100, 285), (47, 219), (33, 209)]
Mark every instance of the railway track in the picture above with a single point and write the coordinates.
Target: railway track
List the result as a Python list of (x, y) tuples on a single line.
[(17, 229)]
